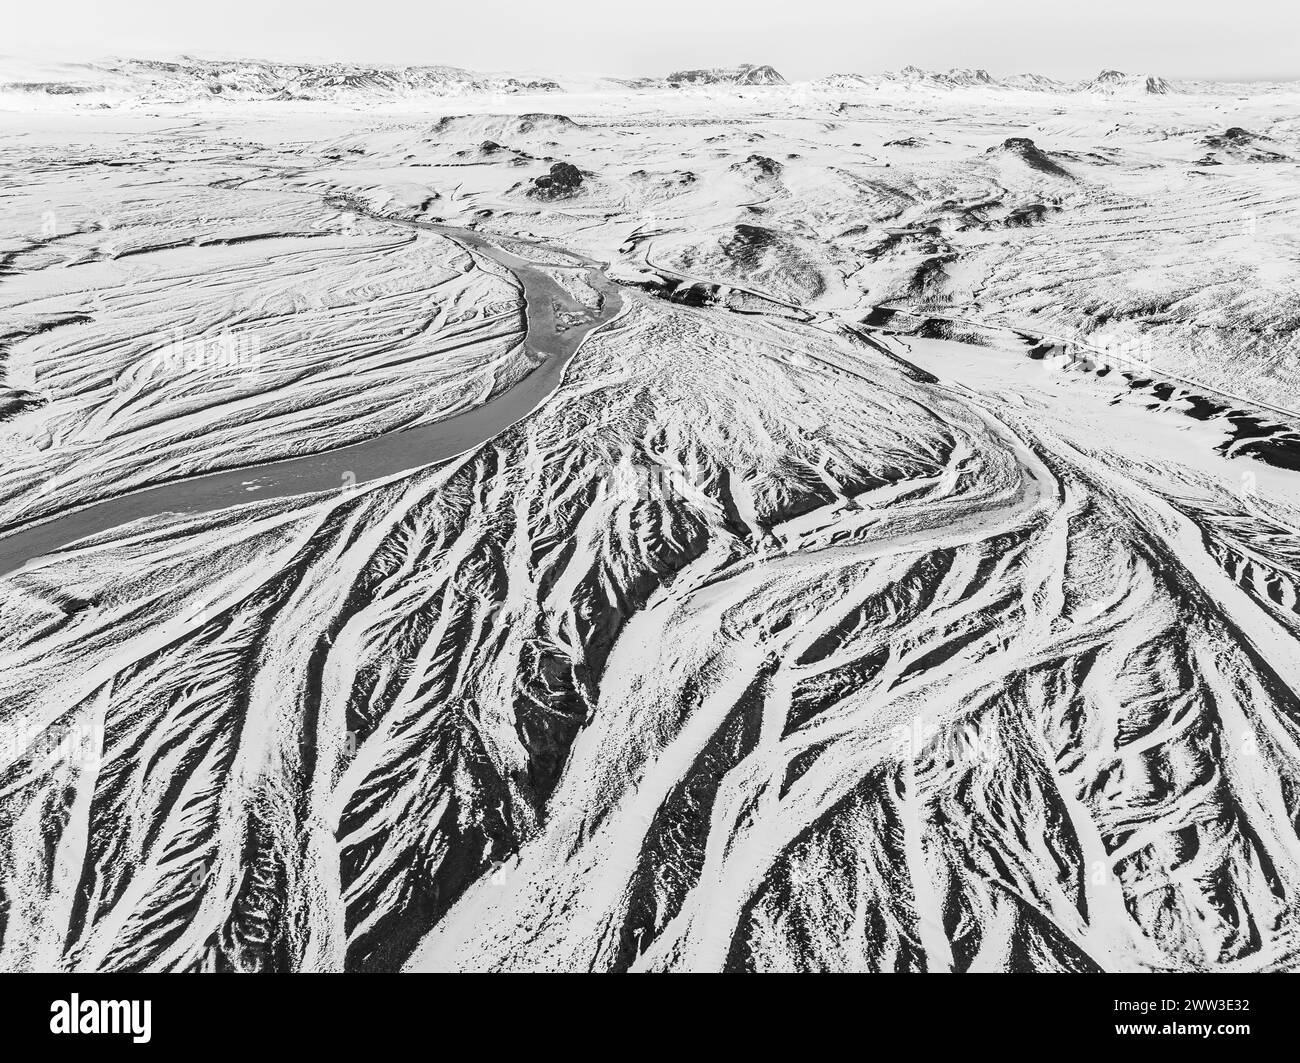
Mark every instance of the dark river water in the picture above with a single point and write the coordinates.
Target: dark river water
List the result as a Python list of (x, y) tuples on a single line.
[(556, 326)]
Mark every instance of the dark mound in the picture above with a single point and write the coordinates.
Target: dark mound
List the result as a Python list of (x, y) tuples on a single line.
[(529, 122), (564, 180), (1232, 137), (501, 125), (748, 241), (1241, 145), (761, 164), (491, 150), (1028, 152), (1027, 215)]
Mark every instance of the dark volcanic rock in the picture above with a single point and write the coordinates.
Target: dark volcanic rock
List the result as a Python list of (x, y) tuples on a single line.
[(750, 240), (529, 122), (1026, 215), (1242, 145), (1029, 152), (563, 180), (761, 165), (1233, 137)]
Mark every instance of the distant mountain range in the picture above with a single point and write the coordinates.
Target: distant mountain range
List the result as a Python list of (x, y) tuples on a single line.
[(187, 78), (135, 81), (744, 74), (1109, 82)]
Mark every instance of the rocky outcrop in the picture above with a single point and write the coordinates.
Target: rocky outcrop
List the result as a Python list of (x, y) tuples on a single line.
[(1031, 155), (564, 179)]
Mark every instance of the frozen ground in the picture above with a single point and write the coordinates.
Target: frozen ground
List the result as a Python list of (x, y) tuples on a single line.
[(902, 574)]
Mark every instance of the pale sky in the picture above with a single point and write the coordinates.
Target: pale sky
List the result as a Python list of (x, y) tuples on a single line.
[(801, 38)]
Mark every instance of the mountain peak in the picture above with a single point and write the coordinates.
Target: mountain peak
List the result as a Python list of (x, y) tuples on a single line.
[(744, 74), (955, 77), (1118, 81)]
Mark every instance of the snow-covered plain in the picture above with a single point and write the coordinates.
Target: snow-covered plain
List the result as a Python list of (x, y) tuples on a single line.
[(902, 575)]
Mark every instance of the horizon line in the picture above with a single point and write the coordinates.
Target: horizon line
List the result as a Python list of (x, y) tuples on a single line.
[(147, 55)]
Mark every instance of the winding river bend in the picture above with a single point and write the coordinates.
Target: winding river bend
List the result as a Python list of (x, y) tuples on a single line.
[(557, 324)]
